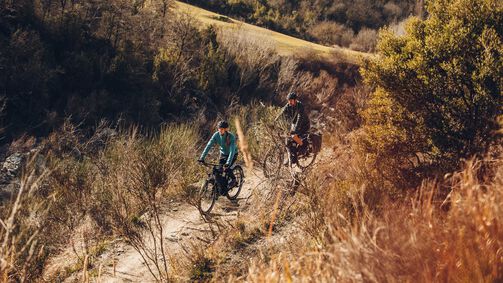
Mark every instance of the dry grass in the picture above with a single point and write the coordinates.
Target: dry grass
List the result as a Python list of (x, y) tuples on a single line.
[(117, 184), (137, 176), (285, 45), (22, 223), (420, 238), (353, 227)]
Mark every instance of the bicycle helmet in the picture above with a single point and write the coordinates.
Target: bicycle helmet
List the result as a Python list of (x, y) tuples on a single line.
[(223, 124), (292, 95)]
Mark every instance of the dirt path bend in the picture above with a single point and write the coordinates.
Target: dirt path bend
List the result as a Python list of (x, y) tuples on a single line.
[(181, 225)]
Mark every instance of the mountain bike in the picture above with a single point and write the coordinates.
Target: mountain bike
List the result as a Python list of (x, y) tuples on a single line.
[(216, 184), (280, 151)]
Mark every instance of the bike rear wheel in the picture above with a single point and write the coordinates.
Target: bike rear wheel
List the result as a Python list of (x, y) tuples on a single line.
[(273, 161), (233, 193), (307, 159), (207, 197)]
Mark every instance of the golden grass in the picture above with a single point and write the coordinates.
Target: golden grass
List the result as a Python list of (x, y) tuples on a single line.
[(285, 45), (419, 239)]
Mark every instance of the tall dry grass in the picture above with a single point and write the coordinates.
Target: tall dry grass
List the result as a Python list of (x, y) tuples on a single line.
[(256, 120), (138, 176), (115, 184), (423, 238), (22, 225)]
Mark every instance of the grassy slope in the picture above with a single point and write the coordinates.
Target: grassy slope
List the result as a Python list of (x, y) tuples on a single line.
[(285, 45)]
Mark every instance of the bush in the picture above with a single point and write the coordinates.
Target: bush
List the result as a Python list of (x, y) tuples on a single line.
[(365, 40), (116, 185), (137, 173), (331, 33), (438, 89)]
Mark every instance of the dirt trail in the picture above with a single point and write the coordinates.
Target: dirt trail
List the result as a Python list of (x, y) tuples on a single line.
[(181, 225)]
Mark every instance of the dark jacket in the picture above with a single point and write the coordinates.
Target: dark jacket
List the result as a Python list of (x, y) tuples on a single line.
[(297, 116)]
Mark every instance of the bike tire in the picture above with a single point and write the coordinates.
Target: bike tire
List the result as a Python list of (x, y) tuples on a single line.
[(207, 197), (310, 162), (238, 172), (273, 161)]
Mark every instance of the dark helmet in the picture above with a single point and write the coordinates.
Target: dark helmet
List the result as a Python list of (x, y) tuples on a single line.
[(223, 124), (292, 95)]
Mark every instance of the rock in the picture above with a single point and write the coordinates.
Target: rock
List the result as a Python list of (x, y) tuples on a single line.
[(12, 164), (9, 171)]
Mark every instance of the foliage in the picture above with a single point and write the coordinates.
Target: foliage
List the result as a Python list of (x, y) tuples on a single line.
[(85, 59), (59, 61), (438, 89), (116, 184)]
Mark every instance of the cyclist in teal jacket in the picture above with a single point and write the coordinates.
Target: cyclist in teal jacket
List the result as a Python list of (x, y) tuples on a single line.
[(228, 149)]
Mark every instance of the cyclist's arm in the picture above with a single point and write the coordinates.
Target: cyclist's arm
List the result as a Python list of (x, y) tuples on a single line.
[(233, 148), (211, 142)]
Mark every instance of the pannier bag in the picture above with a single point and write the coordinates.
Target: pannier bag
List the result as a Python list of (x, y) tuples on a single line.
[(316, 140)]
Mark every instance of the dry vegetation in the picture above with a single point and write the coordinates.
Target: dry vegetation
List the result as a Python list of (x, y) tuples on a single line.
[(341, 225), (422, 238), (118, 184), (283, 44), (346, 24), (357, 215)]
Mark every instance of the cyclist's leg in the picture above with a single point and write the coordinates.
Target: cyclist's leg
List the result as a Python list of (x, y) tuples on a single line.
[(303, 137), (292, 150), (220, 177), (232, 178)]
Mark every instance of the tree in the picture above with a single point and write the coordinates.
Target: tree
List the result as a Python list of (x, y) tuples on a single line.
[(438, 88)]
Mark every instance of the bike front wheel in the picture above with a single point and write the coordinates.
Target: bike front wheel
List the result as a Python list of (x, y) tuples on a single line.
[(273, 161), (233, 193), (207, 197)]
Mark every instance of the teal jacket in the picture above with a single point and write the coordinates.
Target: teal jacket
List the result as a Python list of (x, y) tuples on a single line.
[(227, 143)]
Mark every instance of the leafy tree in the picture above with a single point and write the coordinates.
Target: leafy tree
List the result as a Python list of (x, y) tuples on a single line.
[(438, 88)]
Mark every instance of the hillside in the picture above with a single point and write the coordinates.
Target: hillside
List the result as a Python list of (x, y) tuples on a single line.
[(285, 45), (109, 108)]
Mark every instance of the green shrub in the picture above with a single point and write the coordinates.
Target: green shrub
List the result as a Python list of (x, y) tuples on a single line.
[(438, 89)]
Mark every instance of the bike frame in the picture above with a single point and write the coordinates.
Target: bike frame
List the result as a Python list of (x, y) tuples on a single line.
[(216, 171)]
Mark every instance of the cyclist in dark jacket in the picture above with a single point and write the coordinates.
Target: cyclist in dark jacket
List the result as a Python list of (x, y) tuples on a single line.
[(228, 149), (295, 114)]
